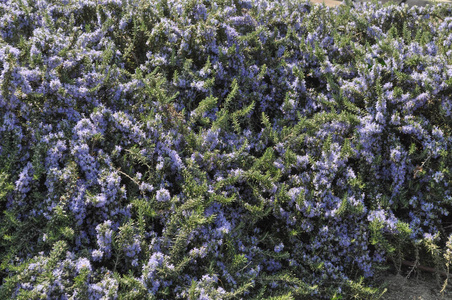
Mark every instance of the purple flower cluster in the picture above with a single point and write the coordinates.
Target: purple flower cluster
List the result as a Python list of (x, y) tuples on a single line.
[(104, 240), (71, 275)]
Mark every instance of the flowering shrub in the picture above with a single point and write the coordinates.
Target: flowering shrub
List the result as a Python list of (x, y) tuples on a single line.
[(213, 150)]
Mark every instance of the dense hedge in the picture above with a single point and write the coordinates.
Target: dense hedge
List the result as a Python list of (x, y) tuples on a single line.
[(211, 150)]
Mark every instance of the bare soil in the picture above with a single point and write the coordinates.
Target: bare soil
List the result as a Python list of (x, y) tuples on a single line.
[(419, 286)]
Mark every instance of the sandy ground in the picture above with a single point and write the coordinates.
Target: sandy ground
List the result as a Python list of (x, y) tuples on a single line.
[(420, 287), (330, 3)]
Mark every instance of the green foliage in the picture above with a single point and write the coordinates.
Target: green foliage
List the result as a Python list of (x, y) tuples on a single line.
[(378, 238), (5, 185), (55, 255), (130, 287), (358, 289)]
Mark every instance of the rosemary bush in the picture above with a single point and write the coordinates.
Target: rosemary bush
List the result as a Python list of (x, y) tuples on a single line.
[(220, 149)]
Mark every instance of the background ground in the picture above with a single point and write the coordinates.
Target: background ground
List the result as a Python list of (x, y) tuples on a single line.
[(420, 286)]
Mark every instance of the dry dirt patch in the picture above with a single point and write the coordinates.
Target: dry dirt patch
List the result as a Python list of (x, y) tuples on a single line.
[(421, 286)]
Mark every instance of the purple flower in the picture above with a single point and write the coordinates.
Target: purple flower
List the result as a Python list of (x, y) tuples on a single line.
[(429, 237), (146, 187), (438, 176), (83, 263), (25, 179), (104, 237), (279, 247), (163, 195), (132, 247), (97, 255), (149, 274)]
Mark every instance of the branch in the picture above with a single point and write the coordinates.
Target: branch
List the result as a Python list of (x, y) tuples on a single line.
[(424, 268)]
